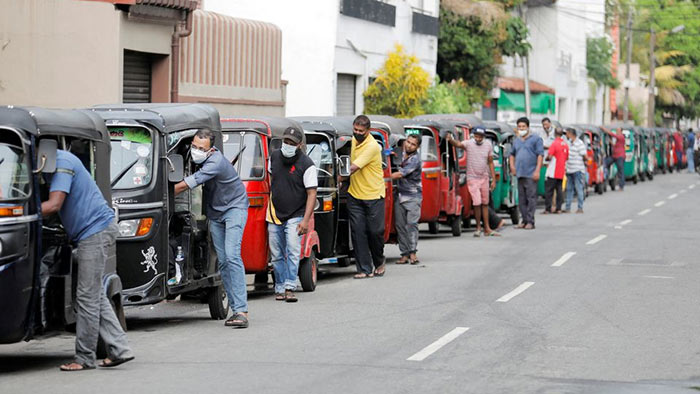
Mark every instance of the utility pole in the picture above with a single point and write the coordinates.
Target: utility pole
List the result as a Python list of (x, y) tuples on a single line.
[(652, 79), (626, 110), (526, 74)]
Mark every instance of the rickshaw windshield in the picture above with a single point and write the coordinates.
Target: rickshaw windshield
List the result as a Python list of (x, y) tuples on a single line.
[(14, 173), (250, 162), (428, 148), (319, 150), (131, 157)]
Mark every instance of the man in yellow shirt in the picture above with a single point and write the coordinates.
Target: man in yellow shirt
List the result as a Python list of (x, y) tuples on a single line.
[(366, 201)]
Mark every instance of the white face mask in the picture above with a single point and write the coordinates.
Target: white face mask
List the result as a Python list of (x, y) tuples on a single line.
[(198, 156), (523, 132), (288, 151)]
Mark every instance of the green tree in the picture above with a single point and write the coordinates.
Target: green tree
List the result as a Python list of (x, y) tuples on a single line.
[(599, 53), (401, 86), (452, 98)]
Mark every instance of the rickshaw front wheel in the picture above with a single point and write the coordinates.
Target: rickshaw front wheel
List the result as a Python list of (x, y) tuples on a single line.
[(218, 302), (308, 272), (433, 227), (456, 224), (514, 215)]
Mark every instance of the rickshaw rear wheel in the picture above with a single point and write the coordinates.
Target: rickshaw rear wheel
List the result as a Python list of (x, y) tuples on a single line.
[(218, 302), (635, 179), (456, 224), (514, 215), (642, 176), (433, 227), (599, 188), (613, 184), (308, 272), (650, 176)]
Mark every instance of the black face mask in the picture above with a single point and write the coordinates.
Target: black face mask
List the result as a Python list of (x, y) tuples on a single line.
[(360, 137)]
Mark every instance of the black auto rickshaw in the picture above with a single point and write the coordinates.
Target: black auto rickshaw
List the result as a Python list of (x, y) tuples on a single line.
[(38, 273), (161, 234)]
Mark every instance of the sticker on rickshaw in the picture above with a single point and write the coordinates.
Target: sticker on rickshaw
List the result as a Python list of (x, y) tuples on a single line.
[(151, 259), (138, 180), (412, 131)]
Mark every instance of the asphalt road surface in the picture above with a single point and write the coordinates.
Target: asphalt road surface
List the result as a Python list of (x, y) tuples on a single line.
[(604, 302)]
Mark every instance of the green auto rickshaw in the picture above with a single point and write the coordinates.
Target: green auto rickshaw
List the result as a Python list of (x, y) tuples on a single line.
[(661, 147), (648, 154), (504, 198), (631, 149)]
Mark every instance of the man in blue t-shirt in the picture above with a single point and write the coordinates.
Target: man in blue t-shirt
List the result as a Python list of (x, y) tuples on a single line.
[(89, 222), (525, 163)]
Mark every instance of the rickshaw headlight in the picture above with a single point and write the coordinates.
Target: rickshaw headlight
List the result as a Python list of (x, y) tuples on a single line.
[(135, 227)]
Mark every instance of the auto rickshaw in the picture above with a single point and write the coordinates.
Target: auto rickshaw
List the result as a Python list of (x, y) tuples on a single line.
[(632, 152), (461, 125), (38, 273), (247, 143), (660, 148), (592, 137), (442, 203), (647, 154), (159, 231), (504, 198)]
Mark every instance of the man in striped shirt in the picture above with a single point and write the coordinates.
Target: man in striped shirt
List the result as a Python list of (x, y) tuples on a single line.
[(575, 169)]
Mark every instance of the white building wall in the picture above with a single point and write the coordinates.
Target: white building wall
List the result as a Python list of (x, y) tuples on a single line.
[(316, 45)]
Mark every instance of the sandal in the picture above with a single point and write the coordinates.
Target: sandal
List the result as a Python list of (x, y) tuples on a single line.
[(75, 367), (289, 296), (238, 320), (477, 234), (415, 262), (115, 362), (362, 276), (403, 260), (280, 297), (492, 234), (381, 267)]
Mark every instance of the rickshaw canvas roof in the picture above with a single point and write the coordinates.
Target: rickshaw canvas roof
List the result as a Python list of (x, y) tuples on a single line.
[(272, 127), (505, 129), (60, 122), (167, 117), (458, 119), (316, 123), (387, 123)]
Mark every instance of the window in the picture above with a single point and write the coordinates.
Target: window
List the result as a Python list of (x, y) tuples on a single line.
[(250, 163), (14, 173), (345, 95), (428, 148), (318, 148), (131, 157)]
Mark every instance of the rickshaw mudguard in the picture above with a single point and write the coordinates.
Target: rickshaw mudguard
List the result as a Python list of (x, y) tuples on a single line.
[(308, 242), (112, 285)]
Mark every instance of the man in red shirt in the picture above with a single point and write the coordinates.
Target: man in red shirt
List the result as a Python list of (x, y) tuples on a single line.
[(557, 155), (678, 147), (618, 156)]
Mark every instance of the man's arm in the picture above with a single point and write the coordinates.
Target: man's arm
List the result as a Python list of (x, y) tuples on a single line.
[(208, 171), (454, 142), (493, 173), (536, 175), (303, 227), (365, 158), (180, 187), (53, 204)]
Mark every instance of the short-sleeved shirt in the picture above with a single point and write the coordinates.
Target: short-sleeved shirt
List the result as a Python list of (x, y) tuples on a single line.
[(409, 185), (223, 187), (367, 183), (547, 137), (577, 150), (85, 211), (478, 158), (559, 150), (679, 141), (526, 152), (691, 140), (619, 147), (289, 185)]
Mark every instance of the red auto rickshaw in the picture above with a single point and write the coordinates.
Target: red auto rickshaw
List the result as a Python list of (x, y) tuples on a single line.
[(442, 202), (247, 143), (591, 137)]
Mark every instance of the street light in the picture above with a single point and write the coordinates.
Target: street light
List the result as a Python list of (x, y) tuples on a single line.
[(652, 73)]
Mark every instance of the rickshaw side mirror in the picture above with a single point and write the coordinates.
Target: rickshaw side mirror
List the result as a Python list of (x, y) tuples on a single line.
[(46, 156), (176, 168), (344, 169)]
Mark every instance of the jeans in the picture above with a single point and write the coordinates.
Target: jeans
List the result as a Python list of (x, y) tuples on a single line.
[(574, 182), (691, 160), (95, 313), (527, 195), (367, 224), (285, 250), (227, 235), (551, 185), (679, 158), (620, 164), (406, 217)]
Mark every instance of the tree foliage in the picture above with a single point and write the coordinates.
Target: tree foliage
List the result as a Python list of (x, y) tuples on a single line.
[(599, 53), (452, 98), (401, 86)]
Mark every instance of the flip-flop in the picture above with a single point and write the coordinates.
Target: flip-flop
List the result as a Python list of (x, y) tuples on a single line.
[(290, 297), (238, 320), (115, 362), (477, 234), (362, 276), (83, 367), (414, 262), (492, 234), (380, 274), (402, 262), (280, 297)]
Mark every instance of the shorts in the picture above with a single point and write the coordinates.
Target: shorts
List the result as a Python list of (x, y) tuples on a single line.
[(479, 190)]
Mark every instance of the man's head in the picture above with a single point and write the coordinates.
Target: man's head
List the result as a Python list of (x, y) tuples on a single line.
[(523, 126), (291, 139), (203, 140), (478, 133), (571, 133), (558, 132), (546, 123), (412, 143), (360, 128)]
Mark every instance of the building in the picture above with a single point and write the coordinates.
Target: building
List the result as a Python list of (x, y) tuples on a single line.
[(558, 33), (638, 93), (78, 53), (332, 48)]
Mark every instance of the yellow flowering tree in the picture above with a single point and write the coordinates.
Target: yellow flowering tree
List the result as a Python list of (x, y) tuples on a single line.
[(401, 86)]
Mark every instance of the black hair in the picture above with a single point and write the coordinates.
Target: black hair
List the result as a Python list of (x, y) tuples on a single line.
[(546, 120), (524, 120), (559, 131), (362, 120), (206, 133), (570, 130), (416, 137)]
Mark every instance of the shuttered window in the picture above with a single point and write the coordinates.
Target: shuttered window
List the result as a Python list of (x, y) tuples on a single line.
[(137, 77), (345, 95)]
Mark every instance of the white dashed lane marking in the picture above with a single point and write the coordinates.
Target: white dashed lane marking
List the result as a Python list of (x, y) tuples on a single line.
[(563, 259), (660, 203), (672, 196), (515, 292), (596, 239), (437, 345), (644, 212)]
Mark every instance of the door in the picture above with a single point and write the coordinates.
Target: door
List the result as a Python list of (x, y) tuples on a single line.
[(345, 95), (136, 86)]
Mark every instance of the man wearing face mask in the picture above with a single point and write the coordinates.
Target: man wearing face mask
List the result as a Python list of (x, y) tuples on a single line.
[(366, 201), (408, 201), (526, 161), (227, 210), (293, 186)]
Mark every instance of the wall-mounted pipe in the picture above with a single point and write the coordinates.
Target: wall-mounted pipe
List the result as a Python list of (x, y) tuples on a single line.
[(175, 55)]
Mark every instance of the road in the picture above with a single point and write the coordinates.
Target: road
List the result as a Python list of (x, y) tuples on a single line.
[(604, 302)]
